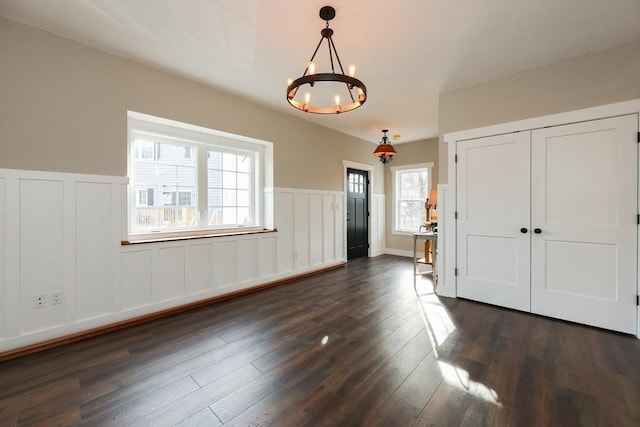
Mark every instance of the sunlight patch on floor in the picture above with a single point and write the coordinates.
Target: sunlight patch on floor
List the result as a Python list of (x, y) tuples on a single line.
[(440, 326)]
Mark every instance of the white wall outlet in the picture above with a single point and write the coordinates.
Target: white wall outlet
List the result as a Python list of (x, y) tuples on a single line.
[(55, 297), (39, 301)]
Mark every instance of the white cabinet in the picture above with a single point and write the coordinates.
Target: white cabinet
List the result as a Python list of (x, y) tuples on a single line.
[(547, 221)]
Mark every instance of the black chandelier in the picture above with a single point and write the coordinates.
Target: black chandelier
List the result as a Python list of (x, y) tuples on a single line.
[(385, 151), (310, 77)]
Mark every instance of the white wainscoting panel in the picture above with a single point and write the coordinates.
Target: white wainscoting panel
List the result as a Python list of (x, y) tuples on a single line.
[(268, 256), (328, 224), (301, 228), (445, 233), (136, 279), (316, 229), (284, 221), (377, 224), (63, 232), (42, 254), (11, 302), (248, 259), (94, 260), (225, 264), (171, 277), (200, 268), (340, 220)]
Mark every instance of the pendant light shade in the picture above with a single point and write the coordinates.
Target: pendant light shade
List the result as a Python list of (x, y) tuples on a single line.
[(385, 151)]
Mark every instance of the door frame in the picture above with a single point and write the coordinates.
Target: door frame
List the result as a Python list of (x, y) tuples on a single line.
[(348, 164), (448, 286)]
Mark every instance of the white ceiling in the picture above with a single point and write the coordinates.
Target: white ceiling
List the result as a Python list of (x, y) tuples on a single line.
[(407, 52)]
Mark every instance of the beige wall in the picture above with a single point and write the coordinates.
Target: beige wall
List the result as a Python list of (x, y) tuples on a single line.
[(425, 151), (63, 108), (599, 78)]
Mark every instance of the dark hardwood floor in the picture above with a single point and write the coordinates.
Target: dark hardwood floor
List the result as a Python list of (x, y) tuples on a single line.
[(350, 347)]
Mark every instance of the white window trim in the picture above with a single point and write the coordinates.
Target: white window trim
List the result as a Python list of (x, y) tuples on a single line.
[(394, 210), (201, 139)]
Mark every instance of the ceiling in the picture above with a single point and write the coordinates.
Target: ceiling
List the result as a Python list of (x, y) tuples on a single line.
[(407, 52)]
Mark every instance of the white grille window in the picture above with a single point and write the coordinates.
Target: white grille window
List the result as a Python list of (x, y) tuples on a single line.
[(183, 179), (411, 186)]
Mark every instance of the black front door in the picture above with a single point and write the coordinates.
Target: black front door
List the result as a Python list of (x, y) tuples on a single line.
[(357, 214)]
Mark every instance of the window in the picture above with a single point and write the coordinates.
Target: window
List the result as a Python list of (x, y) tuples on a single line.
[(204, 181), (145, 197), (410, 191)]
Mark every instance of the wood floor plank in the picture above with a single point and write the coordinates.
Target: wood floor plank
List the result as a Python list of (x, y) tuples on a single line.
[(423, 381), (314, 410), (351, 377), (199, 399), (351, 346), (205, 417), (395, 412), (362, 408), (145, 404), (297, 379)]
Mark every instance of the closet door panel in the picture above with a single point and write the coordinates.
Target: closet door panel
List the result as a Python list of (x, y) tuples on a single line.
[(584, 201), (493, 197)]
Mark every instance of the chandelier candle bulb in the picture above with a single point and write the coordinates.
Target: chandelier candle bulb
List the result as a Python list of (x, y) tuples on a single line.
[(352, 70), (307, 98), (312, 68)]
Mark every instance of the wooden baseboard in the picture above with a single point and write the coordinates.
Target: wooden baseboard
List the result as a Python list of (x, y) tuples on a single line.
[(22, 351)]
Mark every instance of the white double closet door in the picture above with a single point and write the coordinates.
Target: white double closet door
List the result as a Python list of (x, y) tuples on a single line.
[(547, 221)]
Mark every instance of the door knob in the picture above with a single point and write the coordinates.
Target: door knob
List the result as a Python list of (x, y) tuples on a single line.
[(537, 230), (523, 230)]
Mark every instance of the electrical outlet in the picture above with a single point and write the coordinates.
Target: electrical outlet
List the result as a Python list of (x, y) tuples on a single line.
[(39, 301), (55, 297)]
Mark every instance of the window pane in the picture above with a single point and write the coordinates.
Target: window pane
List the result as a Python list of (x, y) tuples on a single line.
[(243, 181), (412, 215), (413, 185), (229, 216), (228, 197), (229, 180), (215, 215), (244, 163), (214, 160), (229, 162), (164, 170), (244, 216), (243, 198)]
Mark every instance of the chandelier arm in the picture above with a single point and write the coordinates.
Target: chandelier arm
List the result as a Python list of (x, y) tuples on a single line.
[(349, 87), (329, 44), (306, 70), (313, 56), (337, 57)]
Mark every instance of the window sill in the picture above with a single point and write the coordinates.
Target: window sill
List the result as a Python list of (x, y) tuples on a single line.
[(169, 238)]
